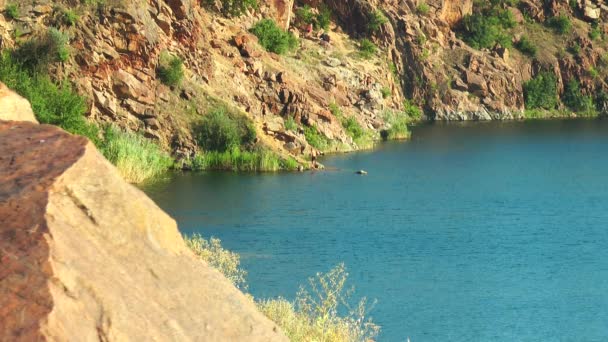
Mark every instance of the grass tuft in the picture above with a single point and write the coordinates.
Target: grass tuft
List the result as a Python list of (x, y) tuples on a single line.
[(136, 158)]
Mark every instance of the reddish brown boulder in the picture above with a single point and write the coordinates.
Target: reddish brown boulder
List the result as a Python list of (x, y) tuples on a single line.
[(86, 256)]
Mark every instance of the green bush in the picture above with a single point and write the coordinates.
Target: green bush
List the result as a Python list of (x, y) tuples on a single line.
[(334, 108), (273, 38), (397, 125), (171, 70), (411, 110), (315, 138), (37, 53), (55, 104), (560, 24), (575, 49), (526, 47), (353, 128), (136, 158), (321, 20), (423, 8), (386, 92), (225, 261), (318, 311), (376, 20), (595, 33), (222, 131), (484, 31), (576, 101), (541, 91), (367, 49), (232, 8), (69, 17), (324, 18), (305, 15), (291, 124), (12, 11)]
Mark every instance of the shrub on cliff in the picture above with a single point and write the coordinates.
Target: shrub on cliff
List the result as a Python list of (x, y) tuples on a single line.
[(315, 138), (317, 314), (37, 53), (560, 24), (526, 46), (367, 49), (576, 101), (55, 104), (11, 11), (170, 70), (232, 8), (273, 38), (225, 261), (135, 157), (541, 91), (376, 20), (222, 130), (487, 25), (397, 125)]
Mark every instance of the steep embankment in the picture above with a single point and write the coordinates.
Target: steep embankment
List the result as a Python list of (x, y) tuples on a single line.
[(458, 60), (85, 255), (466, 60), (116, 50)]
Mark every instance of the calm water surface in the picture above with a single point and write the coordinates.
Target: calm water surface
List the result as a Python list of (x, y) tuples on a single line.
[(484, 232)]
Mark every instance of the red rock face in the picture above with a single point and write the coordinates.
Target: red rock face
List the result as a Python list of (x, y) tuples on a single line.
[(86, 256)]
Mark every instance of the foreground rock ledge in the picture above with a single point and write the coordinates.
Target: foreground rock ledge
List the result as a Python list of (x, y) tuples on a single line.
[(85, 256)]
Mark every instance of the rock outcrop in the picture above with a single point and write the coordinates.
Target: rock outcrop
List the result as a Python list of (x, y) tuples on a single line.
[(14, 107), (85, 256)]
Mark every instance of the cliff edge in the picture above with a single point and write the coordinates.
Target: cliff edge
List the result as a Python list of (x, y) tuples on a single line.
[(84, 255)]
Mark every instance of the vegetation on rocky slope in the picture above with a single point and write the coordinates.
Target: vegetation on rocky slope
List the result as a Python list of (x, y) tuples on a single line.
[(321, 311), (58, 104)]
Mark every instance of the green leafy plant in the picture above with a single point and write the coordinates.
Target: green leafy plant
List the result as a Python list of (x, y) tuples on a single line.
[(291, 124), (170, 70), (38, 52), (273, 38), (225, 261), (376, 20), (411, 110), (560, 24), (52, 103), (386, 92), (324, 18), (234, 8), (367, 49), (526, 46), (541, 91), (136, 158), (222, 131), (69, 17), (305, 14), (316, 313), (576, 101), (315, 138), (12, 11), (423, 8), (397, 125)]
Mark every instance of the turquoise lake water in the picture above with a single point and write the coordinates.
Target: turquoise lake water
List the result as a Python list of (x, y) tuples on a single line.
[(478, 232)]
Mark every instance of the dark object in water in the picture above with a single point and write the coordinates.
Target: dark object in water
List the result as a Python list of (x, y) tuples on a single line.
[(361, 172)]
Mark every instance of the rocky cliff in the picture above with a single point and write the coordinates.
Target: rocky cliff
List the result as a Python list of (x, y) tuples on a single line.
[(85, 256), (117, 47)]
